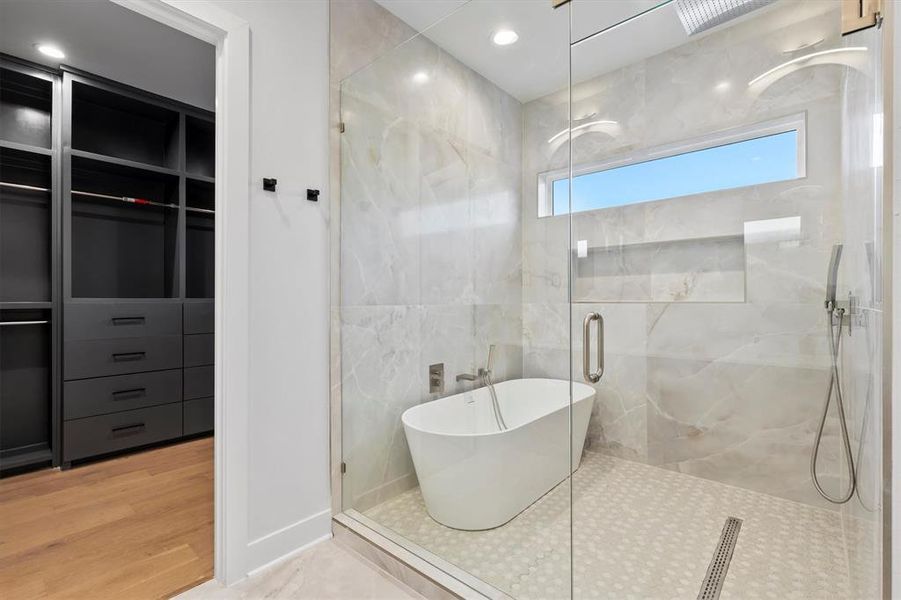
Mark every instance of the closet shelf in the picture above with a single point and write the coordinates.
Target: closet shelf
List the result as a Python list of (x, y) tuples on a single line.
[(25, 305), (18, 460), (201, 178), (22, 186), (25, 147), (112, 160)]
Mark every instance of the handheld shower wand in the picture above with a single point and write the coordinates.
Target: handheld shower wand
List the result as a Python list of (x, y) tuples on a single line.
[(486, 374), (835, 316)]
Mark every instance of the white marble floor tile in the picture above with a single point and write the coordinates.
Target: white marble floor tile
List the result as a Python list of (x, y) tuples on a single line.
[(324, 572)]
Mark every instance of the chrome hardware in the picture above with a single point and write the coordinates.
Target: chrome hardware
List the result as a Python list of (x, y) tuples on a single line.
[(436, 378), (592, 377), (480, 374), (488, 371), (484, 375), (836, 315)]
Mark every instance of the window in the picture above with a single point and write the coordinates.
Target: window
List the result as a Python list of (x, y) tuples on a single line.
[(764, 153)]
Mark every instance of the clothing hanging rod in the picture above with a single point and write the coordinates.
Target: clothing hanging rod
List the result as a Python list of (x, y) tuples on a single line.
[(6, 323), (141, 201), (22, 186), (128, 199)]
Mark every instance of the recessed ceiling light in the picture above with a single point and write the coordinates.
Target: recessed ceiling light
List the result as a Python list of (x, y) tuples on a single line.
[(50, 50), (723, 86), (504, 37), (420, 77)]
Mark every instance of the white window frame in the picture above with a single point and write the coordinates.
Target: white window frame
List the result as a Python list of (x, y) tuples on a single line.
[(795, 122)]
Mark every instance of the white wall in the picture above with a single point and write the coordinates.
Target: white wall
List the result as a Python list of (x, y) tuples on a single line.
[(287, 429)]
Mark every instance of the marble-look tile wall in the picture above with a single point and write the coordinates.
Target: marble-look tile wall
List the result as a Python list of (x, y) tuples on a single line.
[(359, 32), (430, 252), (717, 361)]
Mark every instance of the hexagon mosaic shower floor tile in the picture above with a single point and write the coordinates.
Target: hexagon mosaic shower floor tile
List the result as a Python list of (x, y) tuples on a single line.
[(640, 532)]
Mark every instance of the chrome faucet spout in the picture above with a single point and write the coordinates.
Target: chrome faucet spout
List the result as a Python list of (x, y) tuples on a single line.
[(468, 377)]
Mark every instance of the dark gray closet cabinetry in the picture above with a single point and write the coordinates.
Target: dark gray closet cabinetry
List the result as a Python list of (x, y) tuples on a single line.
[(29, 249), (123, 368), (138, 246), (198, 357)]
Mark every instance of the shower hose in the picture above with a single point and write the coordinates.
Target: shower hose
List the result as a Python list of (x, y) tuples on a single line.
[(495, 405), (835, 341)]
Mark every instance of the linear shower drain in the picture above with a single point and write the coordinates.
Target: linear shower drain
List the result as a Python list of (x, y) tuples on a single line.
[(719, 565)]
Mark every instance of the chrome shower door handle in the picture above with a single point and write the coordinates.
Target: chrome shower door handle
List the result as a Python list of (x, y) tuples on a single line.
[(592, 377)]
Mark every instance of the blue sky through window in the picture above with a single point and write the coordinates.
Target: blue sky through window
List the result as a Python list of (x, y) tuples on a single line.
[(749, 162)]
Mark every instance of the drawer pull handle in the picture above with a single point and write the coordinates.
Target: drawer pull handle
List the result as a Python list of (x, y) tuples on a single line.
[(126, 356), (128, 430), (130, 394), (128, 320)]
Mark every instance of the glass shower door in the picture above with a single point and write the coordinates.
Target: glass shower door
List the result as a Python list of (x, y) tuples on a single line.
[(718, 165), (454, 350)]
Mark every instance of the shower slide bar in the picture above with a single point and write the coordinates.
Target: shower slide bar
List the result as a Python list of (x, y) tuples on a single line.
[(127, 199)]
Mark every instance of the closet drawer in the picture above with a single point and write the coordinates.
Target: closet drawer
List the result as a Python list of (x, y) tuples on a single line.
[(90, 397), (199, 350), (107, 433), (198, 382), (199, 317), (99, 358), (109, 320), (198, 416)]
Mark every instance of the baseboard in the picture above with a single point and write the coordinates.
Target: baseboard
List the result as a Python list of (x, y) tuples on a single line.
[(287, 542)]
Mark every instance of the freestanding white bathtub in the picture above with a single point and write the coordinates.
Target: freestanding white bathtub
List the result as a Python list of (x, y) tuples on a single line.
[(473, 476)]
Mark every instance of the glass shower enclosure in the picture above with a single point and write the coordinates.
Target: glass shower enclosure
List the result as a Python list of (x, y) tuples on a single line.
[(611, 299)]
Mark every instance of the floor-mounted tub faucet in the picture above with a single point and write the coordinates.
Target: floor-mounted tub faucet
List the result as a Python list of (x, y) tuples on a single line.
[(485, 376)]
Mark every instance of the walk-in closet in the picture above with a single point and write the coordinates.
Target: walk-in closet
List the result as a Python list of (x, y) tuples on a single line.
[(107, 210), (107, 278)]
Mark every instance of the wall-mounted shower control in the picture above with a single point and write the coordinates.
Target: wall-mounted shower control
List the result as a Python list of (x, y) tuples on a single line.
[(436, 378)]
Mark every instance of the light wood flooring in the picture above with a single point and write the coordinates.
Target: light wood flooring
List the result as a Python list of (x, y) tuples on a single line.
[(135, 527)]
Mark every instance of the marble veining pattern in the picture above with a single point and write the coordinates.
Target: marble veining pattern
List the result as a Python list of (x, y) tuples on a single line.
[(716, 347), (324, 572), (640, 532), (430, 251)]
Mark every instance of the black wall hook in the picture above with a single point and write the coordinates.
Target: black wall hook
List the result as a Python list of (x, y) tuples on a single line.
[(313, 195), (269, 184)]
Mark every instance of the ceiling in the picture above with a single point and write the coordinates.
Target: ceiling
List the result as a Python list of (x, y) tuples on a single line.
[(537, 64), (106, 39)]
